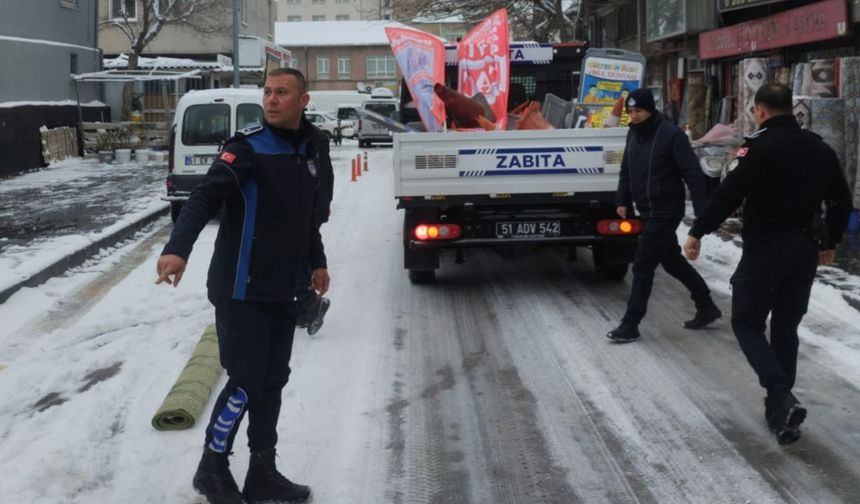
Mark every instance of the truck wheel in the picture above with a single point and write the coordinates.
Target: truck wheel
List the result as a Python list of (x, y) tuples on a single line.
[(175, 207), (417, 276), (612, 272)]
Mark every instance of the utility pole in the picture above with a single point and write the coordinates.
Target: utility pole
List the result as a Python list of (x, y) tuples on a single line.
[(235, 43)]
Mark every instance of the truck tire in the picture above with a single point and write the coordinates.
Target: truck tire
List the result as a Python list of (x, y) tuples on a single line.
[(418, 277), (175, 207), (612, 272)]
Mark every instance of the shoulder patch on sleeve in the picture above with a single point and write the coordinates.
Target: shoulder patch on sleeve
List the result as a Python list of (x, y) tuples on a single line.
[(742, 152), (227, 157), (249, 131)]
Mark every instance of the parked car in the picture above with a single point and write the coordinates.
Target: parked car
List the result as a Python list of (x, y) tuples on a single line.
[(383, 103), (328, 122), (204, 120)]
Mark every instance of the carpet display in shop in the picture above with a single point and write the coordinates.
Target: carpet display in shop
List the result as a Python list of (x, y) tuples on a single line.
[(753, 73), (185, 402)]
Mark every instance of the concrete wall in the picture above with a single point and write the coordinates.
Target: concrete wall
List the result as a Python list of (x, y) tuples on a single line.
[(37, 43)]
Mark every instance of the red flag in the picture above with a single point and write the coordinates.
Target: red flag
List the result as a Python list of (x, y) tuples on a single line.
[(421, 58), (484, 60)]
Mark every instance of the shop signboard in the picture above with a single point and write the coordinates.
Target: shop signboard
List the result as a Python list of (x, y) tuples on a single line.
[(810, 23)]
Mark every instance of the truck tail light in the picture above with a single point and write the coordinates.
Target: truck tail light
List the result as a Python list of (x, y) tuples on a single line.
[(619, 226), (431, 232)]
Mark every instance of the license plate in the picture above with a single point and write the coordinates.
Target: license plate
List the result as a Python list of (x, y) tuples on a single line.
[(529, 229), (199, 160)]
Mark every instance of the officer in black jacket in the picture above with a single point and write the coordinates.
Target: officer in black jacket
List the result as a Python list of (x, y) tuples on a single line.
[(268, 179), (657, 161), (784, 173)]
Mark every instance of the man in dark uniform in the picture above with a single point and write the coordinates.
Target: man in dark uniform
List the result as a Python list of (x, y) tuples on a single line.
[(657, 161), (268, 179), (785, 173)]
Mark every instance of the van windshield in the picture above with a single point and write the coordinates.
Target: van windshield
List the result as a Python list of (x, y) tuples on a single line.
[(347, 113), (385, 109), (248, 115), (207, 124)]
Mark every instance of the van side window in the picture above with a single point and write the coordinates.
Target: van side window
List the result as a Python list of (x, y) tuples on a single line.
[(207, 124), (248, 115)]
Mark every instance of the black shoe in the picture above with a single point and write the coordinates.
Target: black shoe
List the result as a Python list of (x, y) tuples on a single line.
[(624, 333), (704, 317), (784, 414), (264, 483), (214, 481), (319, 316)]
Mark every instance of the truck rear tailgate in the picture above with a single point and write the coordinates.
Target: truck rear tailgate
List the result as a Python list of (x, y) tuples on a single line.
[(507, 162)]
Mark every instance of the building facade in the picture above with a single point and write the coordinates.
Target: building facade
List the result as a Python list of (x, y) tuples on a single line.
[(44, 44), (333, 10), (41, 45)]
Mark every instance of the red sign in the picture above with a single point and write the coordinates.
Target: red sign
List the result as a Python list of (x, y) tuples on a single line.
[(810, 23), (484, 64)]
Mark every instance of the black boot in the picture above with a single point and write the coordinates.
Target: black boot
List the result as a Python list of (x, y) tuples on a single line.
[(704, 316), (214, 481), (624, 333), (784, 414), (264, 483)]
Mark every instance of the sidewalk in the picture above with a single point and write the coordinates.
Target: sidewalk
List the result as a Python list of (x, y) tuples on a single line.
[(53, 219)]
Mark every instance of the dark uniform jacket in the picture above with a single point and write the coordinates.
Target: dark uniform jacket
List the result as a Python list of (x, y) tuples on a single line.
[(657, 161), (784, 173), (270, 182)]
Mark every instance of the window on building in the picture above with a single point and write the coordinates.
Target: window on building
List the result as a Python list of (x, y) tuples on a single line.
[(344, 70), (317, 2), (295, 62), (244, 8), (381, 67), (318, 18), (69, 4), (294, 18), (342, 17), (73, 63), (123, 8), (627, 26), (323, 70), (341, 1), (294, 2)]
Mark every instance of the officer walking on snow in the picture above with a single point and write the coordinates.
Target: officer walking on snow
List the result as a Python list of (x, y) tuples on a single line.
[(268, 179), (784, 174), (657, 161)]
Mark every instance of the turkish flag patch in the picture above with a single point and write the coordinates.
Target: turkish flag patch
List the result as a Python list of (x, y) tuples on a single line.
[(742, 152), (227, 157)]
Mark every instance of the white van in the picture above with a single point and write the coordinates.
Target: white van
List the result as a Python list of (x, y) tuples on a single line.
[(382, 102), (204, 120)]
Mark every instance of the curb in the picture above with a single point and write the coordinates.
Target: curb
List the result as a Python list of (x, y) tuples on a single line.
[(78, 257)]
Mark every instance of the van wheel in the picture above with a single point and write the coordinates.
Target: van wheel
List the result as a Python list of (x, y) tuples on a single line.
[(175, 208)]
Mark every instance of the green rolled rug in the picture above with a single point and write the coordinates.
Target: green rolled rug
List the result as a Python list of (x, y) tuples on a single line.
[(186, 399)]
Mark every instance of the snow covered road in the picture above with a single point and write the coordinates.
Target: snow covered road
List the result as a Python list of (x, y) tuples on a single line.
[(494, 385)]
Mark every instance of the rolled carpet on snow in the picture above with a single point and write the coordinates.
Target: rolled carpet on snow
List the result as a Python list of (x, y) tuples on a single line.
[(185, 401)]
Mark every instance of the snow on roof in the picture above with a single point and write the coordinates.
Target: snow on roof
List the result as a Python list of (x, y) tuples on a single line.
[(333, 33), (121, 61), (10, 104)]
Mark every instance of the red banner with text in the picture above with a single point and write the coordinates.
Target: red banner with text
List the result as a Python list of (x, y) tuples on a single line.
[(483, 62)]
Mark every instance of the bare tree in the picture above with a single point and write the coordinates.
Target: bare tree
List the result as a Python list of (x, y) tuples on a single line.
[(539, 20), (142, 26)]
